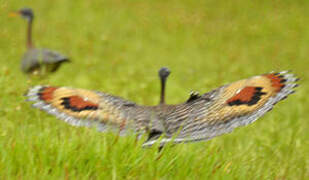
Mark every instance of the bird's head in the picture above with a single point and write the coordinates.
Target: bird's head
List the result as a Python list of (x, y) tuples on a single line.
[(164, 73), (26, 13)]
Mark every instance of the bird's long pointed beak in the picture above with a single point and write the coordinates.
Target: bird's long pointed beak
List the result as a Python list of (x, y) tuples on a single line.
[(14, 14)]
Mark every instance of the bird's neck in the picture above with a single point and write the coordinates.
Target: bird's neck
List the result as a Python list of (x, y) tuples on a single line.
[(162, 99), (29, 35)]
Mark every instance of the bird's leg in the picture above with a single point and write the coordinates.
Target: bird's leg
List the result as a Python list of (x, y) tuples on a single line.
[(160, 153), (160, 148)]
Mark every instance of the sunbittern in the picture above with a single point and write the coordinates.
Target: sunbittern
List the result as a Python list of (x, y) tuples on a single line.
[(202, 117)]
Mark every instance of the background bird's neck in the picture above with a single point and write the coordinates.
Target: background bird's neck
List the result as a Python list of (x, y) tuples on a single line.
[(29, 34)]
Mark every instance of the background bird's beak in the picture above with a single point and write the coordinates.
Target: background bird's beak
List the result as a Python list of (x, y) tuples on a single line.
[(14, 14)]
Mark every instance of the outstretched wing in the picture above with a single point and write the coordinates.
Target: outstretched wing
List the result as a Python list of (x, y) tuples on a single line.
[(86, 108), (225, 108)]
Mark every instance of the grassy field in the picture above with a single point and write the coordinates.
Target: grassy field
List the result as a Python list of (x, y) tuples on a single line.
[(117, 46)]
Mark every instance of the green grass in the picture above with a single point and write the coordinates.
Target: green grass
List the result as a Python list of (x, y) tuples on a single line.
[(117, 47)]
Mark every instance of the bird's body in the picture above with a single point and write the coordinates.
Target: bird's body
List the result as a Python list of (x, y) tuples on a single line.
[(201, 117), (38, 61)]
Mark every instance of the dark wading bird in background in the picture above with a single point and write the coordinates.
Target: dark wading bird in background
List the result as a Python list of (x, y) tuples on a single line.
[(200, 118), (37, 61)]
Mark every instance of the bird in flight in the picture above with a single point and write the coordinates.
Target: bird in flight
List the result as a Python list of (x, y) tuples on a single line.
[(37, 61), (199, 118)]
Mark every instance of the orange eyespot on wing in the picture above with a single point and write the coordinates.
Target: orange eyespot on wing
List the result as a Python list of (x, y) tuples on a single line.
[(249, 95), (78, 104)]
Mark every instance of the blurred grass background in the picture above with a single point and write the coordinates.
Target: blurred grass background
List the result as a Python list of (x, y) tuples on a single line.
[(117, 46)]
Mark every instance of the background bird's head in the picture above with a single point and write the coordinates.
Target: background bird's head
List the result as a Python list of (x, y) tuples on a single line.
[(26, 13)]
